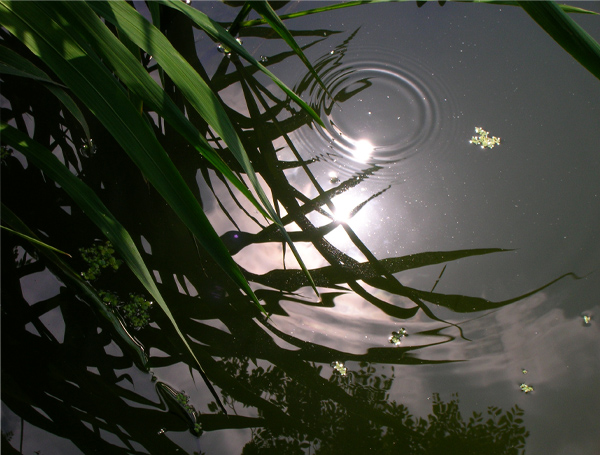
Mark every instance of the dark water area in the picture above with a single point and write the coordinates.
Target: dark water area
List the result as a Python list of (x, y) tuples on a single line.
[(458, 309)]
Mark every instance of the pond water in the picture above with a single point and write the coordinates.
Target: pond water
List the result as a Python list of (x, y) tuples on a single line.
[(458, 308)]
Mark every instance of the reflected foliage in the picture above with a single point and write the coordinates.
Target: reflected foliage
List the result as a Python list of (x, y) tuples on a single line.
[(77, 377)]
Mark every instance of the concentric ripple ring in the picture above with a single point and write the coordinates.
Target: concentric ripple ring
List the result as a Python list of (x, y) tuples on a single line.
[(380, 108)]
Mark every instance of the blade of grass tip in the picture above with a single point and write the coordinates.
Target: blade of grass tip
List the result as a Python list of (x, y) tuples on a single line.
[(263, 8), (222, 36), (234, 28), (93, 207), (565, 8), (321, 9), (566, 32), (143, 34), (14, 60), (123, 337), (34, 241), (188, 81)]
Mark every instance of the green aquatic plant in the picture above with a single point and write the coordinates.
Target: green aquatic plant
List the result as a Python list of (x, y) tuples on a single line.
[(99, 256), (396, 337), (483, 139)]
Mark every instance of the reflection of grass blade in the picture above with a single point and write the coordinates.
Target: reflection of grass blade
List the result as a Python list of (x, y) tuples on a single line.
[(221, 35), (291, 280), (35, 241), (123, 337), (28, 69), (265, 10), (566, 32)]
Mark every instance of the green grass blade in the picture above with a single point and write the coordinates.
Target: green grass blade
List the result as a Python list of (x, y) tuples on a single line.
[(218, 33), (35, 241), (93, 207), (566, 32), (95, 86), (67, 274), (322, 9), (135, 77), (28, 69), (263, 8), (189, 82), (565, 8)]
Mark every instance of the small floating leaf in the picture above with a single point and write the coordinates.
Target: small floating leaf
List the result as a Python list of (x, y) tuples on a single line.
[(483, 139), (526, 388)]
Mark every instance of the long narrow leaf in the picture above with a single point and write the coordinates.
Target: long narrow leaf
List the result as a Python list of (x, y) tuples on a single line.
[(180, 73), (25, 68), (263, 8), (566, 32), (93, 207), (133, 74), (123, 337), (35, 241), (334, 6), (218, 33), (96, 87)]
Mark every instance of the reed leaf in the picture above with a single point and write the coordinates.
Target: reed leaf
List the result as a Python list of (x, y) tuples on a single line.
[(70, 277), (218, 33), (35, 241), (22, 67), (567, 33), (334, 6), (263, 8), (221, 123), (136, 78), (93, 207)]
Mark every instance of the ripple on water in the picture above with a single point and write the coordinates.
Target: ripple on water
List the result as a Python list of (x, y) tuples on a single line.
[(385, 109)]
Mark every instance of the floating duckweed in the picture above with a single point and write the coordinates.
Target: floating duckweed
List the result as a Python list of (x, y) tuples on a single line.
[(340, 368), (526, 388), (184, 401), (483, 139), (524, 371), (396, 338), (99, 257), (263, 59), (137, 311), (587, 319), (110, 299)]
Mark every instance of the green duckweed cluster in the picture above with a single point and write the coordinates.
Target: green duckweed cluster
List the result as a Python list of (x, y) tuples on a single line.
[(99, 257), (184, 401), (136, 311)]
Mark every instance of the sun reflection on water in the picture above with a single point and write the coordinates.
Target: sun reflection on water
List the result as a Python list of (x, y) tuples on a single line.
[(363, 149)]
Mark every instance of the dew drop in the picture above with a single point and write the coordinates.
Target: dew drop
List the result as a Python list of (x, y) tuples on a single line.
[(88, 149)]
